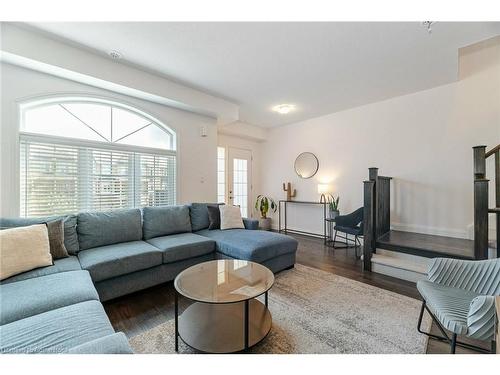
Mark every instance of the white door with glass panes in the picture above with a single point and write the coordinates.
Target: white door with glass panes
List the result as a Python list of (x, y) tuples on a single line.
[(239, 179)]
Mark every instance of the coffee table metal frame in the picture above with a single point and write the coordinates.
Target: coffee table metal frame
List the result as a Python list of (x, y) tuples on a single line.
[(246, 316)]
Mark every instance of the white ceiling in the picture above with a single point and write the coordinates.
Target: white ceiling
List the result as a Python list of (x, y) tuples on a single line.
[(319, 67)]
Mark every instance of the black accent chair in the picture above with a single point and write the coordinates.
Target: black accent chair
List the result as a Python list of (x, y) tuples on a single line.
[(351, 224)]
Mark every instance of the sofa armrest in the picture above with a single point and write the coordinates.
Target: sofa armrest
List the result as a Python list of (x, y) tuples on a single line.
[(111, 344), (252, 224), (479, 276), (481, 318)]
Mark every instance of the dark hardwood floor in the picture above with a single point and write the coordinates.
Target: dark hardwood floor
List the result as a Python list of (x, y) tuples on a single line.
[(138, 312)]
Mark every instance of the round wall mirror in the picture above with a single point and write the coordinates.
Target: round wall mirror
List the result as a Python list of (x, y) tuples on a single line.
[(306, 165)]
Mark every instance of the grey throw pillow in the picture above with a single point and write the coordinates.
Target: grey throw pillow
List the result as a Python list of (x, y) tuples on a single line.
[(213, 216), (55, 229)]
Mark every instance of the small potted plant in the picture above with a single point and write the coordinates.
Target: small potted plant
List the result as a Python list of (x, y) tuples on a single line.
[(263, 204), (333, 205)]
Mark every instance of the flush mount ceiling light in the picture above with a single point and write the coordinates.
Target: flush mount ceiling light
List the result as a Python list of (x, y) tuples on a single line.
[(284, 109), (115, 55)]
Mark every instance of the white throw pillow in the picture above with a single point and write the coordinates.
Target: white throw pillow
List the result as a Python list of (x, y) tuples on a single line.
[(230, 217), (23, 249)]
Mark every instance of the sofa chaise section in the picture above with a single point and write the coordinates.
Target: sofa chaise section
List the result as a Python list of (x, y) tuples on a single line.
[(274, 250), (59, 330), (34, 296)]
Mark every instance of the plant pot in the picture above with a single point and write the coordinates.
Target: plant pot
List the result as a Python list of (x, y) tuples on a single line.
[(265, 223), (333, 214)]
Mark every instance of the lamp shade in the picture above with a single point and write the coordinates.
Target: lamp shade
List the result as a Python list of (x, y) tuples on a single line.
[(323, 189)]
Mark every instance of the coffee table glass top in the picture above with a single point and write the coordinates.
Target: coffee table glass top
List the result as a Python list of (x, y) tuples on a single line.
[(224, 281)]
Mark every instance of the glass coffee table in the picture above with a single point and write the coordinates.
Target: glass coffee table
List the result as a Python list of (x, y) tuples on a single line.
[(224, 314)]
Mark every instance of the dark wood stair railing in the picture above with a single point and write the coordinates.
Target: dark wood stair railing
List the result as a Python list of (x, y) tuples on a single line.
[(376, 221), (377, 217), (481, 209)]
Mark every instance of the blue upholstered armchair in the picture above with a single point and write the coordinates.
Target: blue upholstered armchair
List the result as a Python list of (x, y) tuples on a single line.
[(459, 295), (351, 224)]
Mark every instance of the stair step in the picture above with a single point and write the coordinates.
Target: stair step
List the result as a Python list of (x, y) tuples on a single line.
[(399, 263), (426, 245)]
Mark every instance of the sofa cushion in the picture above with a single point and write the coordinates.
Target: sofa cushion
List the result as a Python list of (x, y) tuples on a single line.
[(56, 331), (38, 295), (70, 236), (449, 305), (257, 246), (55, 230), (182, 246), (60, 265), (24, 249), (116, 343), (109, 261), (199, 216), (162, 221), (107, 228)]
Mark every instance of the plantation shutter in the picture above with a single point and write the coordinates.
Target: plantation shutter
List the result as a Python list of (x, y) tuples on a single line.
[(49, 179), (60, 179)]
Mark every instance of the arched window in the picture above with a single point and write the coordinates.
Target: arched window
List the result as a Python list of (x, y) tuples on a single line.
[(80, 153)]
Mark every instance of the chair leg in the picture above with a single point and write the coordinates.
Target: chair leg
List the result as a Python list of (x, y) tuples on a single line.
[(453, 345), (334, 237), (419, 324), (445, 338)]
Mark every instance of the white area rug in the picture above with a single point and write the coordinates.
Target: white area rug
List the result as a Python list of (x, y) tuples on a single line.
[(317, 312)]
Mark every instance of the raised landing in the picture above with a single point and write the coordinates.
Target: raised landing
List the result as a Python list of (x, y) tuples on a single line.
[(426, 245)]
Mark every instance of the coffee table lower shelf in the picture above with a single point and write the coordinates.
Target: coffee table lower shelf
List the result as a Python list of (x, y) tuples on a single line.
[(220, 328)]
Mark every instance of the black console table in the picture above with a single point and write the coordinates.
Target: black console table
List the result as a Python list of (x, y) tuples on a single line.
[(284, 203)]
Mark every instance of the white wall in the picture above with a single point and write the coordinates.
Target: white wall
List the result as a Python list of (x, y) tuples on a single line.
[(423, 140), (196, 155), (256, 149)]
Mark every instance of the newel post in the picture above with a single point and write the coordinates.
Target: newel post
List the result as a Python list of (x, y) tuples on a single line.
[(481, 219), (479, 157), (368, 223), (480, 203)]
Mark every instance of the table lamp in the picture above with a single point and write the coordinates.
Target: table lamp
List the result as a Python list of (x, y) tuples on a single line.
[(323, 189)]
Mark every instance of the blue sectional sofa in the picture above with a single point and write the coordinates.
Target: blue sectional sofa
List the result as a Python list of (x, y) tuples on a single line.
[(57, 309)]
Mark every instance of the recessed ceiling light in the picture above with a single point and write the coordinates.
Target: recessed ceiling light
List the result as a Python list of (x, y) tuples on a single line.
[(115, 55), (284, 109)]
